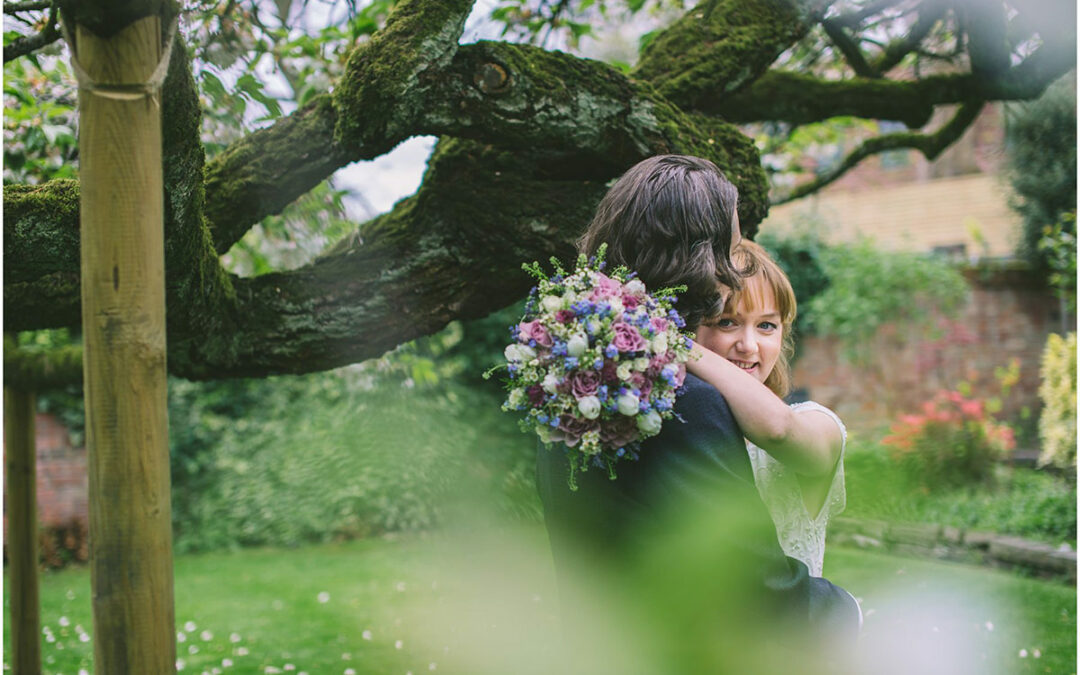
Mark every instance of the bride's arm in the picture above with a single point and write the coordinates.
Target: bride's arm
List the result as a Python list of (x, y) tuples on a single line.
[(809, 442)]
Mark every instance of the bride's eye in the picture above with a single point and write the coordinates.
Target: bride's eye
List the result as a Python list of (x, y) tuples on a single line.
[(768, 326)]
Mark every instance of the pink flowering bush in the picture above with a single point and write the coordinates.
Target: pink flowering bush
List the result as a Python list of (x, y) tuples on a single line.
[(954, 440)]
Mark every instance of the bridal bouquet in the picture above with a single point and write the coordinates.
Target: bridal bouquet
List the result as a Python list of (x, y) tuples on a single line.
[(595, 362)]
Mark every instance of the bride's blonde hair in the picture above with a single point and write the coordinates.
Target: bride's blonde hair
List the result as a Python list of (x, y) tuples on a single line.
[(760, 272)]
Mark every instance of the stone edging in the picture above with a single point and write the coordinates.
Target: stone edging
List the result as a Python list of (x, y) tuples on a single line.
[(951, 543)]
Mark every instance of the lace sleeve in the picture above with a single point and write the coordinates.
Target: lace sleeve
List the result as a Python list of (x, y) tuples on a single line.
[(836, 497)]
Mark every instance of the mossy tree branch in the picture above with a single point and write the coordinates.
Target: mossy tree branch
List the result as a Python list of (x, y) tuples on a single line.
[(40, 370), (930, 145)]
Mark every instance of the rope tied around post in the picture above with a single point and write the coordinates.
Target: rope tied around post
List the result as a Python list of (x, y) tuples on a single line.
[(124, 91)]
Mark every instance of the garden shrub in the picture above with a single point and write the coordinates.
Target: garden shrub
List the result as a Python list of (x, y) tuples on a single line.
[(953, 440), (1057, 424)]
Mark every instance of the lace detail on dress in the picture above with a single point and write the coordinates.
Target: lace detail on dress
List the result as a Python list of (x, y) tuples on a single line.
[(801, 534)]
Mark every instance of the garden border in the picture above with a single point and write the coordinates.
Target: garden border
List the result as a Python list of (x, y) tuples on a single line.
[(928, 540)]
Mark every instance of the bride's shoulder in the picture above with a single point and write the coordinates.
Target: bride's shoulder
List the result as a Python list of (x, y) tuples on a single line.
[(804, 406)]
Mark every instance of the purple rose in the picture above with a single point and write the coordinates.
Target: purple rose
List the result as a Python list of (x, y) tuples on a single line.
[(627, 338), (610, 372), (536, 395), (643, 384), (571, 429), (617, 432), (564, 315), (584, 383), (534, 330)]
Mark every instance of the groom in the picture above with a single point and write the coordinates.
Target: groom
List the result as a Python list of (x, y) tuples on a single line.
[(673, 220)]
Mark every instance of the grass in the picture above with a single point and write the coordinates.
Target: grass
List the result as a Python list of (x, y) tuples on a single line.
[(457, 603)]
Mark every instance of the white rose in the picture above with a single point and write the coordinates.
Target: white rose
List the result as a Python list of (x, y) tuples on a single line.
[(641, 363), (517, 397), (649, 423), (550, 383), (623, 371), (628, 404), (616, 306), (577, 345), (589, 407), (569, 298), (551, 304), (635, 287), (659, 344), (519, 352)]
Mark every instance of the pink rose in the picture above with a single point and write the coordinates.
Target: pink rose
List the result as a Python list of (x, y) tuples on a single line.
[(536, 395), (584, 383), (534, 330), (630, 301), (627, 338), (658, 324), (656, 365), (606, 287), (564, 316)]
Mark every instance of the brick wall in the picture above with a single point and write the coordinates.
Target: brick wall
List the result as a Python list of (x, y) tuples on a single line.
[(1007, 316), (61, 476)]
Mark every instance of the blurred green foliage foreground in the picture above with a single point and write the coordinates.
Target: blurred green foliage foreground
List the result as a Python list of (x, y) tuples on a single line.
[(481, 599)]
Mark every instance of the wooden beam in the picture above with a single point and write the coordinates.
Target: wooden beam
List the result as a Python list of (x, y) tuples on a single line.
[(22, 541), (123, 316)]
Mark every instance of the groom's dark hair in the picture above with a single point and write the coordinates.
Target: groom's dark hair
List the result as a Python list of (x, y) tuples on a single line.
[(669, 218)]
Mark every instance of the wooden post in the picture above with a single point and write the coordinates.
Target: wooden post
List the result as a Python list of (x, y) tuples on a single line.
[(22, 541), (123, 315)]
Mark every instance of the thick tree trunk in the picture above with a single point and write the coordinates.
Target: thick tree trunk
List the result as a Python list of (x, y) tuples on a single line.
[(123, 310), (22, 541)]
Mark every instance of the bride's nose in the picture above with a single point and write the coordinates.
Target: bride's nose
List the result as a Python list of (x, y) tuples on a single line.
[(746, 342)]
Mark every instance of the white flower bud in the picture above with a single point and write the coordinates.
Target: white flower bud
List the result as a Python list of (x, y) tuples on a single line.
[(550, 383), (623, 371), (641, 363), (551, 303), (660, 343), (616, 306), (649, 423), (517, 397), (577, 345), (628, 404), (589, 407), (635, 287)]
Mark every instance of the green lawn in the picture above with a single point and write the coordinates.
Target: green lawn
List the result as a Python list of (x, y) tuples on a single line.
[(482, 600)]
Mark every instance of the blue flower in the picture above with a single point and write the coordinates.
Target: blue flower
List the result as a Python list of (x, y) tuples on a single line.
[(602, 392), (663, 404), (571, 362), (559, 349), (610, 351), (598, 364), (620, 452), (554, 422), (542, 418)]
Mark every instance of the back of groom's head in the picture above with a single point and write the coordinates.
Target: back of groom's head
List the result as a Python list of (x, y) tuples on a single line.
[(671, 219)]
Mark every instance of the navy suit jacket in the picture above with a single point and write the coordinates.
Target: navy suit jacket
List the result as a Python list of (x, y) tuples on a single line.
[(698, 466)]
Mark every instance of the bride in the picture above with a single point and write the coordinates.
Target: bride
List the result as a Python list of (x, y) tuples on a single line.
[(796, 451)]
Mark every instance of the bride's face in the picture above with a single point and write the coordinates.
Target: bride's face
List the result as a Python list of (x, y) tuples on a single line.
[(749, 335)]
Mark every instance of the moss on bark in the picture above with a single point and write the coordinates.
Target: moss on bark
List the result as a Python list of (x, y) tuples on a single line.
[(37, 371), (41, 229)]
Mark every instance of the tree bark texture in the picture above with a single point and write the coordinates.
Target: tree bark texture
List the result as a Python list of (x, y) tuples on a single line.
[(123, 312), (22, 540), (535, 136)]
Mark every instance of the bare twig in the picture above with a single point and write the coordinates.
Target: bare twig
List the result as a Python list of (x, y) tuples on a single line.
[(32, 43), (848, 48), (930, 145), (930, 13)]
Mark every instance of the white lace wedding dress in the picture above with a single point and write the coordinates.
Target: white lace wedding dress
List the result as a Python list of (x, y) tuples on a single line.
[(801, 534)]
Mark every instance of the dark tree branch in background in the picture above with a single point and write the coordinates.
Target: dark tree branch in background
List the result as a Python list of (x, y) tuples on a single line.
[(930, 145), (852, 54), (31, 43), (17, 7), (985, 27), (854, 20)]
